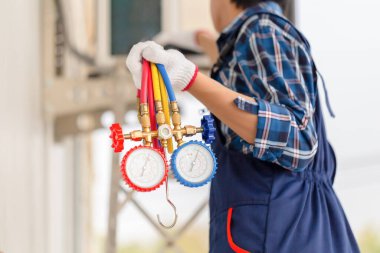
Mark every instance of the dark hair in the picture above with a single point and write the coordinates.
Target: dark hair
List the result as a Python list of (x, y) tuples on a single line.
[(248, 3)]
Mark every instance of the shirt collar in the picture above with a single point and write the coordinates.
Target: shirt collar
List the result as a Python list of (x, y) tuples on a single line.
[(266, 6)]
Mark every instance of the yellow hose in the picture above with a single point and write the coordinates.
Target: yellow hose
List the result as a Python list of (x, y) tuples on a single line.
[(165, 107), (156, 82)]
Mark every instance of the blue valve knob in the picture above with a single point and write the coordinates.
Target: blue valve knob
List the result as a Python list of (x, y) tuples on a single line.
[(207, 123)]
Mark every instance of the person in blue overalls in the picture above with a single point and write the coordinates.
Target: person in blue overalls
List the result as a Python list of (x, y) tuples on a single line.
[(273, 191)]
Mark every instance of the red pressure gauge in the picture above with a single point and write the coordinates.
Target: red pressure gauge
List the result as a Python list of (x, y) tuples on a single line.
[(144, 168)]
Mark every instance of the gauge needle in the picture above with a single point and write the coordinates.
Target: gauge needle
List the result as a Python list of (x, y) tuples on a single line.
[(193, 163), (144, 167)]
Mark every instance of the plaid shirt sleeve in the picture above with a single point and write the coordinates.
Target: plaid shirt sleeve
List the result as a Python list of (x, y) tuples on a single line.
[(276, 69)]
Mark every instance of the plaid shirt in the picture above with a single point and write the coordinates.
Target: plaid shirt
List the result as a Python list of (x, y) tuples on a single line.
[(271, 62)]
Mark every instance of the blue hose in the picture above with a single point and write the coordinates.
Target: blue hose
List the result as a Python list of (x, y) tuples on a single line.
[(167, 82)]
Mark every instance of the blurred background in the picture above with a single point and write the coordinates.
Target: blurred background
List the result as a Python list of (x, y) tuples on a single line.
[(63, 82)]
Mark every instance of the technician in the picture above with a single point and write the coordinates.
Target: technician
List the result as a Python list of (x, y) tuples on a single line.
[(273, 190)]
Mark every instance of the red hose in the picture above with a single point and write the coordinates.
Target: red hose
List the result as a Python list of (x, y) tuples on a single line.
[(144, 82), (152, 111)]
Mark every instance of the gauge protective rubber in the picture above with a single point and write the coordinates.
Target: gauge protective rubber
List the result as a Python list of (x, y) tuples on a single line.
[(127, 179), (178, 176)]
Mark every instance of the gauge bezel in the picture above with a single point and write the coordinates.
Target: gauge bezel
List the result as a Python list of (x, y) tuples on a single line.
[(176, 172), (127, 178)]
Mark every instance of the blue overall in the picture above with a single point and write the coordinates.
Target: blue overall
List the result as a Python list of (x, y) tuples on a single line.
[(257, 206)]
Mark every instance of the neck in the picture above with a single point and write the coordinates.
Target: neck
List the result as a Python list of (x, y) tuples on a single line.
[(229, 16)]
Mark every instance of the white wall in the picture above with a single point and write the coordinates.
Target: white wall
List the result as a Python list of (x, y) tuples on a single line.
[(22, 201)]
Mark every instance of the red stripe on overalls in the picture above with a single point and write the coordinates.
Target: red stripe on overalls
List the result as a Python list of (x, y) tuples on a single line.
[(231, 242)]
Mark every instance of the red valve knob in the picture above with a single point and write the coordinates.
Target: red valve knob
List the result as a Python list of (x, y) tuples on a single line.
[(117, 137)]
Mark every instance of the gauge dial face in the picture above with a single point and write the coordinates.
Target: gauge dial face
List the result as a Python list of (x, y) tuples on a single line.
[(145, 167), (195, 163)]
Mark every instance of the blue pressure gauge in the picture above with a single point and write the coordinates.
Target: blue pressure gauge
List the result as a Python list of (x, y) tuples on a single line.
[(193, 164)]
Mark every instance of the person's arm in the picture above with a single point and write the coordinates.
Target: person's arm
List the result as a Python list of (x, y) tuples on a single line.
[(207, 41), (277, 72), (220, 101), (200, 41)]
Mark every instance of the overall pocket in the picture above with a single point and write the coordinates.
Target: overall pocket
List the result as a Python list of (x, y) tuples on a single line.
[(231, 242), (246, 227), (240, 229)]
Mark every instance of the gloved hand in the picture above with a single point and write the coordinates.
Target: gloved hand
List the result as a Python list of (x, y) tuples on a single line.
[(181, 71)]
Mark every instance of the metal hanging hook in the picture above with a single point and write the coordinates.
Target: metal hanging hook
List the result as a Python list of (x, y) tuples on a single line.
[(174, 208)]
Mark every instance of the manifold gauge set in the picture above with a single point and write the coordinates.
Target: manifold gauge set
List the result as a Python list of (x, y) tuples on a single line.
[(145, 167)]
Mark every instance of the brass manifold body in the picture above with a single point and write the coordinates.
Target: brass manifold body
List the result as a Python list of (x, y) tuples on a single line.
[(147, 134)]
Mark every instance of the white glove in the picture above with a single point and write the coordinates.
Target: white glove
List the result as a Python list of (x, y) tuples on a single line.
[(181, 71)]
